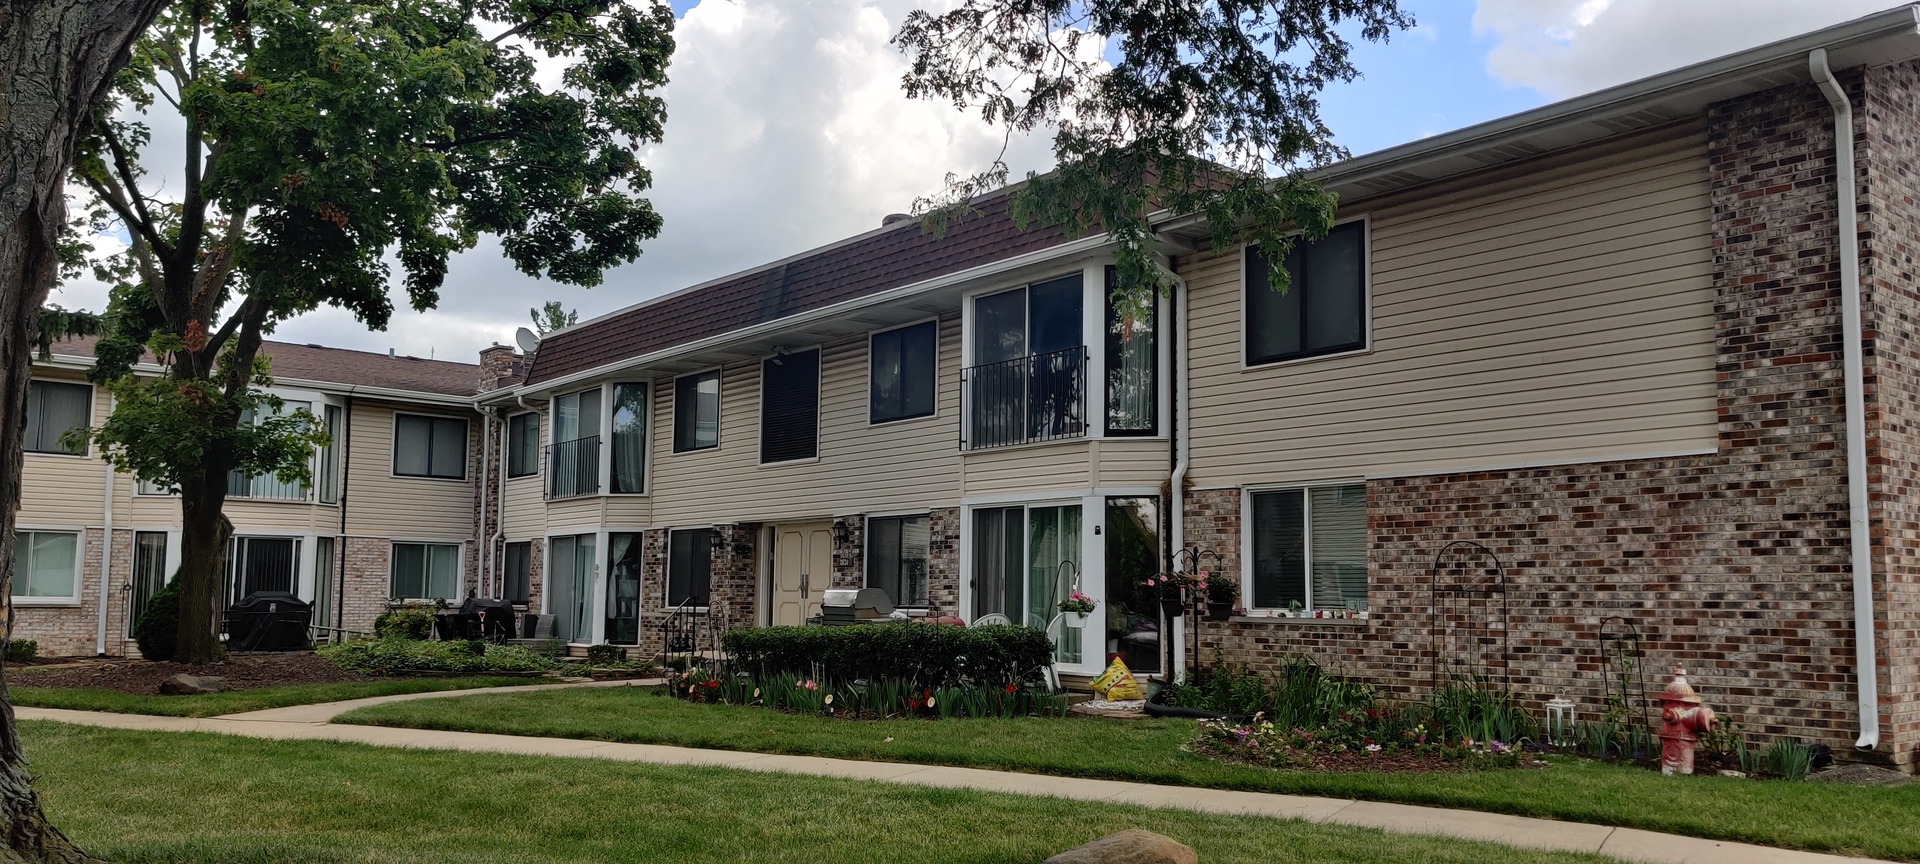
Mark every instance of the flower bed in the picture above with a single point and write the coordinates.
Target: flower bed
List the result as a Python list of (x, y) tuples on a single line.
[(1347, 746), (866, 700)]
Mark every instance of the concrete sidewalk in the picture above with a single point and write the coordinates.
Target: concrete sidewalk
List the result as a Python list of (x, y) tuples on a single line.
[(310, 722)]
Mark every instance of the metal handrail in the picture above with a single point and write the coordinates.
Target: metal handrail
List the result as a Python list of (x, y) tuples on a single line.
[(1039, 397), (573, 467)]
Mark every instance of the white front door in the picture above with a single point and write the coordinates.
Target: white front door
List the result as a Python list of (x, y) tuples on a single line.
[(802, 570)]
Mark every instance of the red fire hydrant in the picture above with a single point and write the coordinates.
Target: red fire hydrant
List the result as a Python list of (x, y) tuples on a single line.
[(1682, 719)]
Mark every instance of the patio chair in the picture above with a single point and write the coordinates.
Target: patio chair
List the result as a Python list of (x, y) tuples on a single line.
[(991, 619)]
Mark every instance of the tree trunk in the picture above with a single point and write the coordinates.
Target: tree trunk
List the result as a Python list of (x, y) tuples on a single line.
[(57, 58), (205, 532)]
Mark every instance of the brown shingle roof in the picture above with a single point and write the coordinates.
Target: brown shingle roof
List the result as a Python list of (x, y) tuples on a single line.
[(346, 367), (866, 265)]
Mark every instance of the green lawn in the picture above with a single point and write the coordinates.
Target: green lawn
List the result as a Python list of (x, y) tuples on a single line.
[(1876, 822), (120, 795), (235, 701)]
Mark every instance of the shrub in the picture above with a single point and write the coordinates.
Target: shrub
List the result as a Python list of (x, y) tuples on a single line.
[(22, 650), (405, 622), (159, 626), (604, 653), (1788, 759), (922, 655), (400, 656)]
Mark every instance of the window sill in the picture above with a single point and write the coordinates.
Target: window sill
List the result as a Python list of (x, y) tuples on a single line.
[(54, 602), (1298, 622)]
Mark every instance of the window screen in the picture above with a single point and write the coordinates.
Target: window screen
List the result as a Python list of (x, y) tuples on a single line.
[(429, 447), (1310, 548), (689, 566), (696, 412), (1323, 310), (790, 407), (897, 550), (43, 564), (52, 409), (901, 369)]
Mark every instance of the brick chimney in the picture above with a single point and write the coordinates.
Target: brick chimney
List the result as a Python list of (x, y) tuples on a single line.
[(500, 366)]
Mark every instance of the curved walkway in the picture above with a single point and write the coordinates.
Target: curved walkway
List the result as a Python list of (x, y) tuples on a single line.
[(311, 722)]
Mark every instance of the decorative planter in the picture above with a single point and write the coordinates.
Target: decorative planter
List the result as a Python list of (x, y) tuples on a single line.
[(1219, 611), (1173, 607), (1075, 620)]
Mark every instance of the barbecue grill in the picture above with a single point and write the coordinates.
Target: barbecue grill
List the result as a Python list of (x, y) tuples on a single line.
[(269, 621), (854, 606), (488, 618)]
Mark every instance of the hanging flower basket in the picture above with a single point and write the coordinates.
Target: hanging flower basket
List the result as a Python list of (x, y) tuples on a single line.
[(1218, 610), (1074, 620)]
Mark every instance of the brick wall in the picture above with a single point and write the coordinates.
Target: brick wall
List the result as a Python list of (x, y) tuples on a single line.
[(1736, 564), (366, 583), (71, 631), (943, 561)]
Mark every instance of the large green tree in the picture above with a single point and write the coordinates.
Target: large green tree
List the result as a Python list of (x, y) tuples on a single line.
[(1206, 107), (328, 144)]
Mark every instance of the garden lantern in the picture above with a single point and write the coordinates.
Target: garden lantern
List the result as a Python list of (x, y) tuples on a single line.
[(1560, 720)]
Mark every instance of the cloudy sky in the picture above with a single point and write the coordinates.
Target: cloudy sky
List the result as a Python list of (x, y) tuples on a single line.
[(787, 130)]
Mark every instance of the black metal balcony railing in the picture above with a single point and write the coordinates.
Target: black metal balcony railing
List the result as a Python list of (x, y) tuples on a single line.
[(1040, 397), (573, 467)]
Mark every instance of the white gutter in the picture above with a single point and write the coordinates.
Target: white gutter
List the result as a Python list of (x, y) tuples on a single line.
[(1865, 663), (106, 557)]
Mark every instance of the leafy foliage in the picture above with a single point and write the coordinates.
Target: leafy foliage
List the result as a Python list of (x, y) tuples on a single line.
[(22, 650), (405, 622), (922, 655), (552, 316), (398, 656), (159, 623), (1205, 99)]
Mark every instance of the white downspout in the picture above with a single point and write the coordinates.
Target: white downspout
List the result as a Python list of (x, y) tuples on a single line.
[(485, 558), (499, 511), (1181, 436), (1865, 664), (106, 559)]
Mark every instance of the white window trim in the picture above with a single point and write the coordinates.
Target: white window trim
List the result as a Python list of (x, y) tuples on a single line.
[(719, 374), (866, 531), (393, 448), (1367, 291), (596, 614), (900, 421), (93, 407), (80, 557), (459, 570), (1306, 529), (819, 405)]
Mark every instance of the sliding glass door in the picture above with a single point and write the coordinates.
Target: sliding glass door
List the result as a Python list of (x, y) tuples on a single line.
[(1026, 559), (570, 580)]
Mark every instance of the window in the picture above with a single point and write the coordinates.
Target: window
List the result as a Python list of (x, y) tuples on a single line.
[(256, 564), (689, 566), (901, 368), (629, 437), (268, 486), (149, 573), (1323, 310), (624, 566), (1028, 381), (570, 575), (696, 411), (44, 566), (52, 409), (328, 480), (790, 407), (575, 455), (523, 445), (1310, 548), (429, 447), (519, 573), (897, 558), (323, 577), (1133, 368), (425, 571)]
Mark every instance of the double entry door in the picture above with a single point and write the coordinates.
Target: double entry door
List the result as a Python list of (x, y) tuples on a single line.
[(802, 571), (1028, 558)]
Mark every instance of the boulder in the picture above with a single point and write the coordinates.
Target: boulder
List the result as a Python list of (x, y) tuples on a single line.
[(1132, 846), (190, 685)]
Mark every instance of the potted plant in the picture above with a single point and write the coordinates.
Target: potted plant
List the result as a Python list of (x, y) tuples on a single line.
[(1168, 588), (1221, 593), (1076, 608), (1293, 609)]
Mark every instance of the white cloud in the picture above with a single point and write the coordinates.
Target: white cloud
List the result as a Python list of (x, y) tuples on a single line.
[(1567, 47)]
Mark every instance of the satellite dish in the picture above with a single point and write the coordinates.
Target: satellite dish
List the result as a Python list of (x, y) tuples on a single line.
[(526, 339)]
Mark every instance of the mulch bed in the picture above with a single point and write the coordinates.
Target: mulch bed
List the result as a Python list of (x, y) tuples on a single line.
[(1356, 762), (242, 671)]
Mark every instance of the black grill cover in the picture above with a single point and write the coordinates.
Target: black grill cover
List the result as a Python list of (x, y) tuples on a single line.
[(269, 621), (498, 621)]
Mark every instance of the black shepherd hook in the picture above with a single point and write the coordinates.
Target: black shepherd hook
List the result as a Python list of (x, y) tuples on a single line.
[(1192, 557), (1495, 584), (1628, 646)]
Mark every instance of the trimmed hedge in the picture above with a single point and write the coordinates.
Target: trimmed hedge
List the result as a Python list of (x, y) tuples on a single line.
[(399, 656), (925, 655), (405, 622)]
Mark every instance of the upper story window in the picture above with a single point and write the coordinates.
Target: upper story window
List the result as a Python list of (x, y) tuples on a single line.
[(1324, 309), (574, 457), (268, 486), (327, 475), (523, 445), (1310, 549), (429, 446), (46, 567), (1028, 378), (696, 411), (790, 407), (1133, 367), (901, 371), (53, 407), (629, 437)]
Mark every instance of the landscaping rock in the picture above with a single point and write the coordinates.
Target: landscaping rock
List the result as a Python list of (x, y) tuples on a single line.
[(1857, 774), (1132, 846), (191, 685)]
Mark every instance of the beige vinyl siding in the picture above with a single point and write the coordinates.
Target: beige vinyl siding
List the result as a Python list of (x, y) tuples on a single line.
[(526, 511), (282, 517), (908, 464), (1133, 462), (1557, 313), (58, 489), (382, 505), (574, 515), (1030, 468)]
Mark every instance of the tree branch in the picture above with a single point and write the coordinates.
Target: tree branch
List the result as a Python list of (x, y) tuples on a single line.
[(123, 166)]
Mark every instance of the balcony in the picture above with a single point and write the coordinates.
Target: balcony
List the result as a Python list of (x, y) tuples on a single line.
[(1040, 397), (573, 468), (264, 487)]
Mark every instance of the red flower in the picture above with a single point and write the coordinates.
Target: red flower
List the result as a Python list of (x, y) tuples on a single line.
[(1009, 688)]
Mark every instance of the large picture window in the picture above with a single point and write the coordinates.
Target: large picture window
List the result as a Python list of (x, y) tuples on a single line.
[(1133, 367), (897, 551), (268, 487), (1310, 548), (689, 566), (696, 411), (425, 571), (1323, 310), (429, 447), (44, 566), (52, 409), (790, 407), (629, 438), (902, 372), (523, 445)]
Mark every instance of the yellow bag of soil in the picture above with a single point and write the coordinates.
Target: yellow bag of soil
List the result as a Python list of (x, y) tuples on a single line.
[(1117, 684)]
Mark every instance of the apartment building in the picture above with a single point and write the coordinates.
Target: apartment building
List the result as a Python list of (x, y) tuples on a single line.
[(1572, 377)]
